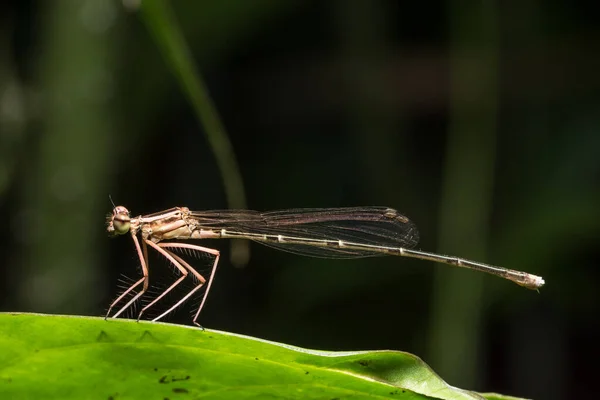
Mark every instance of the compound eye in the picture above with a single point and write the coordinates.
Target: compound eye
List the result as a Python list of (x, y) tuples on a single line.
[(121, 223)]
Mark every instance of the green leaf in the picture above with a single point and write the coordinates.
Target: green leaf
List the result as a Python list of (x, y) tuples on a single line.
[(43, 356)]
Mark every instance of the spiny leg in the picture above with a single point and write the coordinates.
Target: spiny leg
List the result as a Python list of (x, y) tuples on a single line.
[(177, 262), (191, 292), (144, 262), (215, 253)]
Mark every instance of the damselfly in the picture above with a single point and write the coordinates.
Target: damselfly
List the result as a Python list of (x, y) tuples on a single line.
[(318, 232)]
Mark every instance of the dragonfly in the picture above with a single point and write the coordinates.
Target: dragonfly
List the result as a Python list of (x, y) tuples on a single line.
[(350, 232)]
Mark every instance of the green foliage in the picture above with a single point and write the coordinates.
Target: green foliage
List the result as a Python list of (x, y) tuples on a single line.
[(59, 357)]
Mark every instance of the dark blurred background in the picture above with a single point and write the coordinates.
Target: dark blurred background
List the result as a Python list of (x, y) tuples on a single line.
[(478, 120)]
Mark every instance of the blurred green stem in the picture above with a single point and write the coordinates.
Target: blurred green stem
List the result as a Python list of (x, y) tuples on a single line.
[(64, 188), (466, 198), (162, 23)]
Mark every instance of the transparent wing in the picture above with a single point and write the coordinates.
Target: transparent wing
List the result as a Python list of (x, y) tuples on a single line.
[(377, 226)]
